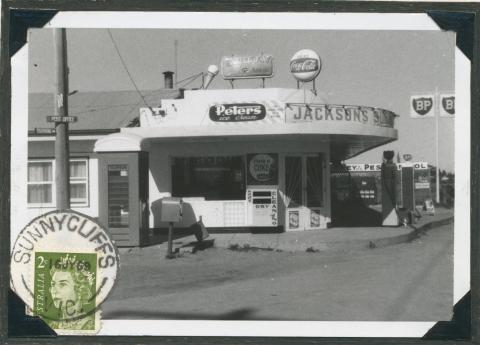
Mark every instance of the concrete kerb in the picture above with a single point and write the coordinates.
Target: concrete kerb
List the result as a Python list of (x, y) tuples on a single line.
[(275, 242), (414, 233), (322, 246)]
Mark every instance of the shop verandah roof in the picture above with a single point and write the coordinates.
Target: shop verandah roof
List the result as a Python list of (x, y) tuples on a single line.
[(213, 116), (344, 143)]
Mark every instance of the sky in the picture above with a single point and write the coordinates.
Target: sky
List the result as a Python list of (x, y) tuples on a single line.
[(371, 68)]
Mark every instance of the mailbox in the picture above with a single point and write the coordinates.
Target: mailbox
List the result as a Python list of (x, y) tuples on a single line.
[(171, 210)]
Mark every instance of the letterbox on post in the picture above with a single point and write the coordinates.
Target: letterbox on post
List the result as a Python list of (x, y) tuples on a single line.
[(171, 210)]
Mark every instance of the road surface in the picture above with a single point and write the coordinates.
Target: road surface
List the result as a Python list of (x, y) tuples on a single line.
[(405, 282)]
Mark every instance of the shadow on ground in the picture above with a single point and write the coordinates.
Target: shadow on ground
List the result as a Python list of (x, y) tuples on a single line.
[(238, 314), (354, 213)]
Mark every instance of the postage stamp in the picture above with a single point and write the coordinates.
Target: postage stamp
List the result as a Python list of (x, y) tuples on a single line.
[(64, 290), (63, 266)]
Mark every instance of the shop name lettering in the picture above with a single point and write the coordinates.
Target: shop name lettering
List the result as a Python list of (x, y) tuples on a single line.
[(378, 167), (274, 209), (237, 112), (65, 222), (363, 115)]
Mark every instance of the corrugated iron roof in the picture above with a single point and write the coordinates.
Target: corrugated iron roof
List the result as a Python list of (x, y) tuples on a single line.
[(104, 110)]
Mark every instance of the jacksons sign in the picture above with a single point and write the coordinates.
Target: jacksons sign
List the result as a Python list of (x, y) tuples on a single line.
[(343, 113), (237, 112)]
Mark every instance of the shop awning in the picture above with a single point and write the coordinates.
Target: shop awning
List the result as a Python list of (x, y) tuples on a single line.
[(345, 141), (257, 114)]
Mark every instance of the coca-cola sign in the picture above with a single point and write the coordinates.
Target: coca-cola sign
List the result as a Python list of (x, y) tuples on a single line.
[(237, 112), (305, 65)]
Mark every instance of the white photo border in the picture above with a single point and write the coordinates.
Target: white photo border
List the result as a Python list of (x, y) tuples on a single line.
[(312, 21)]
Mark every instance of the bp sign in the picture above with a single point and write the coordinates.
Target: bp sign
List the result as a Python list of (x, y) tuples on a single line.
[(305, 65), (422, 106)]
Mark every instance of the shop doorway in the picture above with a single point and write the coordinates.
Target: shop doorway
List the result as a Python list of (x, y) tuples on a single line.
[(305, 191), (123, 196)]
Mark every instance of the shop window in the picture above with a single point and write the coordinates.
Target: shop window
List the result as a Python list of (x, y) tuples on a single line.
[(41, 184), (214, 178)]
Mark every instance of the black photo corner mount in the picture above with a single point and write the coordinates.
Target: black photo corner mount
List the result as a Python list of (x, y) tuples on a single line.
[(23, 325), (460, 22), (460, 325), (21, 21)]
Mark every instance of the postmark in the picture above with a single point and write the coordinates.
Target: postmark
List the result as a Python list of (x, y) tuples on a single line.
[(63, 266)]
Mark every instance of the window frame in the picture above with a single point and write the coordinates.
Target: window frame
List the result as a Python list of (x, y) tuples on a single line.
[(189, 156), (52, 183), (84, 180)]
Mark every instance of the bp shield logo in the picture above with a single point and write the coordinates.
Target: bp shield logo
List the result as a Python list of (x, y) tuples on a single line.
[(422, 105), (448, 106)]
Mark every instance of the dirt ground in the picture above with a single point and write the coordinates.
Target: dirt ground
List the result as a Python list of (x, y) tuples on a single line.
[(405, 282)]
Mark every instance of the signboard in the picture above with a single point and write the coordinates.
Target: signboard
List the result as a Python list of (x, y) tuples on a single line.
[(315, 218), (305, 65), (237, 112), (422, 185), (45, 131), (262, 169), (65, 119), (378, 166), (301, 112), (293, 219), (447, 105), (422, 106), (247, 67)]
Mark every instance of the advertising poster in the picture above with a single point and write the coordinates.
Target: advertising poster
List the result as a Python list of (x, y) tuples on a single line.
[(262, 169)]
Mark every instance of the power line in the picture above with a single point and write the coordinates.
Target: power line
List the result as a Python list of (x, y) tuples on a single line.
[(194, 76), (126, 69)]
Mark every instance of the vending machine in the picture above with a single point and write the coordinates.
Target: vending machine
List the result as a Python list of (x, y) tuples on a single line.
[(262, 207), (262, 189)]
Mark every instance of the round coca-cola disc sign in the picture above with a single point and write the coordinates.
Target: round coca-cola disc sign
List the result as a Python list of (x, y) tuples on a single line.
[(305, 65)]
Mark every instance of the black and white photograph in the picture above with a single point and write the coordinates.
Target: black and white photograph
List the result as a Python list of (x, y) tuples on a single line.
[(262, 169)]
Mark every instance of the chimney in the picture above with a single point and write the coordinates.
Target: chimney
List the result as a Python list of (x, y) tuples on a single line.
[(168, 77)]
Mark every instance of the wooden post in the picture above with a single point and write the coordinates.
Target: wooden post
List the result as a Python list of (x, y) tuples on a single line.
[(62, 168), (170, 240)]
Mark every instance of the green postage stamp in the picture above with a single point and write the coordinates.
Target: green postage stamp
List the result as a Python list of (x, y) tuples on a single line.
[(65, 290)]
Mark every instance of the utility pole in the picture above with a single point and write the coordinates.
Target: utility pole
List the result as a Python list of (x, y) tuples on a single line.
[(62, 166), (176, 63), (437, 170)]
